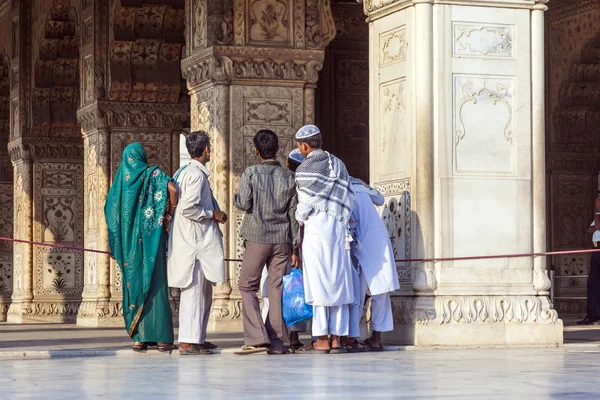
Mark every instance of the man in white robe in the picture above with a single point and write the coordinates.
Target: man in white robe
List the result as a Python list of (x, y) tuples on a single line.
[(376, 272), (195, 255), (325, 203)]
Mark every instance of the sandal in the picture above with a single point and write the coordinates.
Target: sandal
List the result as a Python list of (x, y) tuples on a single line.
[(167, 348), (338, 350), (370, 347), (296, 346), (209, 345), (309, 349), (140, 348), (354, 346), (246, 349), (196, 350)]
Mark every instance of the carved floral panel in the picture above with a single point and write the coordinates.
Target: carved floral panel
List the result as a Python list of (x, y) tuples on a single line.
[(269, 22), (396, 216), (489, 41), (392, 46)]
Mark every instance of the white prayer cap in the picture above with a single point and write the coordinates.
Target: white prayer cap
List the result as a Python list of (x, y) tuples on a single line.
[(307, 131), (296, 156)]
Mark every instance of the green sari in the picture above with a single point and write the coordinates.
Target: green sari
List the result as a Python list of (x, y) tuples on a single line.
[(134, 211)]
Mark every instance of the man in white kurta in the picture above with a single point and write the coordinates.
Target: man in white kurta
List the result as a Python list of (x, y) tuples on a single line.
[(376, 270), (195, 255), (325, 202)]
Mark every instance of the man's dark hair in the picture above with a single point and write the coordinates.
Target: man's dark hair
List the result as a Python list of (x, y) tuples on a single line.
[(196, 142), (267, 144), (293, 164), (315, 142)]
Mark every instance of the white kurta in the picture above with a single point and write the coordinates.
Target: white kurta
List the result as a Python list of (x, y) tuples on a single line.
[(195, 235), (375, 252), (326, 263)]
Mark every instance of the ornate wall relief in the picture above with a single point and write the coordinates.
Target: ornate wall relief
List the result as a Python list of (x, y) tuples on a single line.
[(484, 138), (270, 22), (396, 214), (342, 94), (145, 53), (392, 45), (252, 108), (60, 210), (482, 41)]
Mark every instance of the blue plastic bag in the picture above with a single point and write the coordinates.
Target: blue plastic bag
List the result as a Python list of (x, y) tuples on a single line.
[(294, 307)]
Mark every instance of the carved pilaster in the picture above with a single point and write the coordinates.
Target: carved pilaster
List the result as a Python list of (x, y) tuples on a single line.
[(258, 72), (131, 91)]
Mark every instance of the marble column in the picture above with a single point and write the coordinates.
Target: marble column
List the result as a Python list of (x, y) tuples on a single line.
[(131, 91), (250, 65), (458, 130)]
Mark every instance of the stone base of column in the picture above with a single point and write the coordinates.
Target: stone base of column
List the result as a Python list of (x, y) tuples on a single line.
[(53, 312), (226, 315), (100, 314), (4, 306), (475, 321)]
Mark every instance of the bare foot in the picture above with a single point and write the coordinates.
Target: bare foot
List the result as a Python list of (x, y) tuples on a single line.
[(336, 342), (186, 346), (322, 343)]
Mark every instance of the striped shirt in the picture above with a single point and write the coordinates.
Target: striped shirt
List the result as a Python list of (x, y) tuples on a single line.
[(268, 195)]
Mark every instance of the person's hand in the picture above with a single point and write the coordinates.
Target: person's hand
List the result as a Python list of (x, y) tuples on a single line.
[(296, 263), (167, 222), (219, 216)]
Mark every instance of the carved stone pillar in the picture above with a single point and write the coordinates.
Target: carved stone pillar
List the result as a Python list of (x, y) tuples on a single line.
[(6, 178), (47, 154), (250, 64), (132, 90), (457, 154)]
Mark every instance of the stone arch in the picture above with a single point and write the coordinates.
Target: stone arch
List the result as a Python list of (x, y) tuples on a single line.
[(145, 51), (56, 89), (577, 117)]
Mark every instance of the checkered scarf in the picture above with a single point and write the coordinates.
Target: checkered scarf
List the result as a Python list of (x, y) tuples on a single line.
[(323, 184)]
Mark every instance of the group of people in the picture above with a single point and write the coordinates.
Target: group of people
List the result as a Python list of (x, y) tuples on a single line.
[(309, 214)]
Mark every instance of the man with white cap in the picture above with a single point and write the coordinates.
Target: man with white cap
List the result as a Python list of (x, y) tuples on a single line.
[(376, 267), (325, 203)]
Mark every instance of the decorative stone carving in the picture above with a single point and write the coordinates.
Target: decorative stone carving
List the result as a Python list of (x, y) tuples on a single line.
[(148, 38), (227, 63), (480, 102), (393, 47), (493, 309), (397, 218), (269, 22), (482, 41)]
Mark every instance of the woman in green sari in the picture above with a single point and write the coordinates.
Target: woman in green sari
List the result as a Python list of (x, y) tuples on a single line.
[(135, 210)]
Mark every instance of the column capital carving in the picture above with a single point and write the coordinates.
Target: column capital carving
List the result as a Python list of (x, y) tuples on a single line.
[(226, 63), (112, 114), (30, 149)]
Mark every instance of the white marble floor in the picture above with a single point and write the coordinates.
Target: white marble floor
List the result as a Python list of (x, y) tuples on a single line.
[(423, 374)]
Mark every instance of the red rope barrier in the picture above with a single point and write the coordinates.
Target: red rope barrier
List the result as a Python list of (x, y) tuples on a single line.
[(516, 255)]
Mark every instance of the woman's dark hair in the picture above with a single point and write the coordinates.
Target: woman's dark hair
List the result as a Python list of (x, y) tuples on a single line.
[(267, 144), (314, 142), (196, 142), (293, 164)]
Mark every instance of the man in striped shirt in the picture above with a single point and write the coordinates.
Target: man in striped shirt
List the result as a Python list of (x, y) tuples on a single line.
[(270, 231)]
